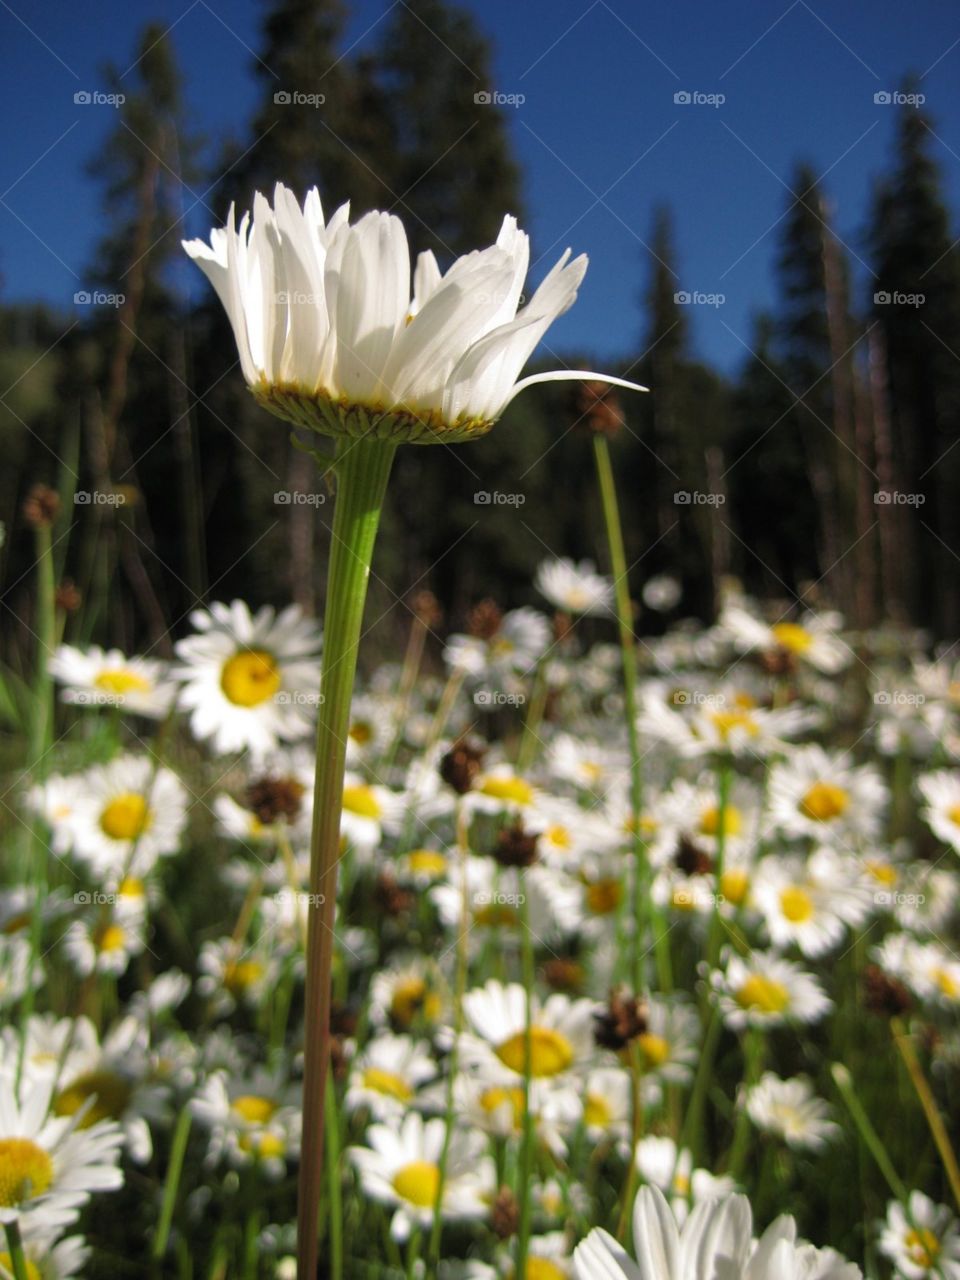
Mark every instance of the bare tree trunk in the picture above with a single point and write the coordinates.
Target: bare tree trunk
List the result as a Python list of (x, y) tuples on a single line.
[(891, 572)]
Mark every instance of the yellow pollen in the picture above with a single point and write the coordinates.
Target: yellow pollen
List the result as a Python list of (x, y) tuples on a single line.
[(493, 1099), (126, 816), (240, 975), (26, 1171), (947, 983), (427, 862), (647, 826), (789, 635), (267, 1146), (111, 1094), (361, 733), (108, 937), (32, 1272), (824, 802), (922, 1246), (252, 1108), (559, 836), (745, 701), (362, 801), (596, 1112), (725, 722), (497, 917), (386, 1082), (543, 1269), (732, 821), (410, 997), (418, 1183), (121, 681), (734, 885), (513, 790), (796, 904), (130, 887), (550, 1052), (953, 814), (763, 994), (885, 872), (250, 677), (604, 896), (655, 1049), (681, 1184)]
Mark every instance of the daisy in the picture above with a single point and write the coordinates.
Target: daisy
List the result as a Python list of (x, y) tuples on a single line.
[(561, 1032), (47, 1260), (132, 811), (798, 909), (249, 681), (764, 990), (574, 588), (825, 797), (941, 812), (701, 728), (385, 1077), (606, 1102), (18, 970), (791, 1110), (814, 640), (400, 1168), (669, 1047), (232, 975), (498, 1109), (94, 677), (104, 946), (368, 811), (922, 1239), (670, 1169), (515, 646), (252, 1121), (589, 765), (326, 326), (55, 800), (407, 996)]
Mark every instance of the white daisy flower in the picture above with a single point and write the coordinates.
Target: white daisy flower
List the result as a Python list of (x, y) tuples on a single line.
[(369, 810), (824, 796), (56, 800), (514, 649), (252, 1121), (561, 1033), (322, 312), (231, 975), (791, 1110), (385, 1077), (497, 1108), (249, 682), (589, 765), (702, 728), (606, 1103), (104, 946), (814, 640), (670, 1169), (798, 909), (669, 1047), (941, 812), (400, 1168), (922, 1239), (94, 677), (48, 1260), (764, 990), (410, 994), (574, 588), (18, 970)]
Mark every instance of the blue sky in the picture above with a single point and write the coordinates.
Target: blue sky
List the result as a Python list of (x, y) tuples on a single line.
[(600, 136)]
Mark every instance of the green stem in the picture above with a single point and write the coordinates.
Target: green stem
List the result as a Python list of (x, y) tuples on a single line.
[(18, 1262), (534, 718), (868, 1134), (754, 1050), (363, 468), (333, 1183), (171, 1184), (644, 911), (715, 934), (692, 1133), (525, 1173)]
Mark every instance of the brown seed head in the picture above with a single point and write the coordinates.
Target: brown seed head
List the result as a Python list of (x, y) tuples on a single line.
[(40, 506), (68, 597), (504, 1214), (483, 620), (461, 765), (884, 994), (516, 847), (624, 1018), (274, 798), (598, 406)]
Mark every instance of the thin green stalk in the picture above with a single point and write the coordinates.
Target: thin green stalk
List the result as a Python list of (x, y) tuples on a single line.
[(692, 1131), (931, 1111), (525, 1173), (334, 1193), (533, 719), (363, 468), (171, 1185), (715, 934), (868, 1134), (18, 1262), (754, 1050), (644, 912)]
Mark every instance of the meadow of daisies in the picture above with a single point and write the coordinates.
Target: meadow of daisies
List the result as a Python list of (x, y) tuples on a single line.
[(578, 1005)]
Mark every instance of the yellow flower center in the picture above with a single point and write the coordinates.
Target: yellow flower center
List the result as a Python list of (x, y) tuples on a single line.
[(922, 1246), (250, 677), (130, 887), (789, 635), (109, 937), (558, 836), (386, 1082), (550, 1052), (824, 802), (543, 1269), (410, 997), (239, 976), (726, 721), (427, 862), (362, 801), (418, 1183), (32, 1272), (121, 681), (493, 1099), (764, 994), (596, 1112), (947, 983), (110, 1092), (126, 816), (647, 826), (953, 813), (497, 916), (734, 885), (253, 1108), (268, 1146), (512, 790), (796, 904), (681, 1184), (604, 896), (885, 872), (26, 1171), (655, 1049), (732, 821), (360, 732)]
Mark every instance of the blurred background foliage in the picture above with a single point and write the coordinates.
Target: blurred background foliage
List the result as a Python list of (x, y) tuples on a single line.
[(843, 398)]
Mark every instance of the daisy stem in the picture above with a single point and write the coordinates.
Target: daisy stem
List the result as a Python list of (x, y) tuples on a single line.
[(930, 1109), (525, 1176), (636, 1133), (754, 1049), (363, 468), (716, 922), (530, 737), (178, 1147), (18, 1262), (333, 1182), (868, 1134), (645, 914)]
